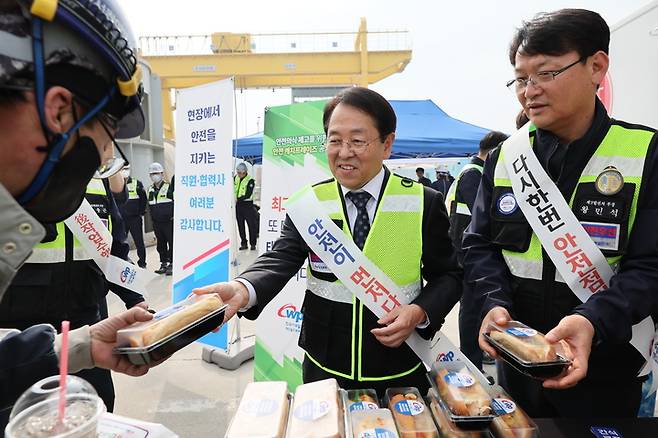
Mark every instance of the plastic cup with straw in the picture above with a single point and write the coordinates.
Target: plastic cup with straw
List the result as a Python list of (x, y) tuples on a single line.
[(63, 373)]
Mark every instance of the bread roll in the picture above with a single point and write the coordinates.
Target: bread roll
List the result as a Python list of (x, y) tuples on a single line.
[(176, 321), (447, 427), (262, 412), (515, 424), (416, 425), (315, 412), (533, 349), (464, 400), (364, 423)]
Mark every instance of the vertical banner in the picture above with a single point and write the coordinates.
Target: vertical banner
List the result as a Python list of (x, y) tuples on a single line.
[(203, 219), (293, 156)]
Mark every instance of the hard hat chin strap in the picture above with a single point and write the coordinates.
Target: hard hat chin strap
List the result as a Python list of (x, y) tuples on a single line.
[(55, 142)]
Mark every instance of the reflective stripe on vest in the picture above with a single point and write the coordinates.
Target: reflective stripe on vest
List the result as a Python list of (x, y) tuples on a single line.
[(161, 196), (132, 189), (394, 243), (55, 251), (462, 208), (623, 148), (240, 187)]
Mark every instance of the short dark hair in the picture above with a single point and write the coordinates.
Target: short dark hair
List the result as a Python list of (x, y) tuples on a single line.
[(560, 32), (521, 119), (491, 140), (368, 101), (420, 169)]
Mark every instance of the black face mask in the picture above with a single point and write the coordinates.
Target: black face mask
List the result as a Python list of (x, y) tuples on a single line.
[(66, 187)]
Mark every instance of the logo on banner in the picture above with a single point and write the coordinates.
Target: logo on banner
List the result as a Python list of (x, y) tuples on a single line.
[(292, 317), (128, 275)]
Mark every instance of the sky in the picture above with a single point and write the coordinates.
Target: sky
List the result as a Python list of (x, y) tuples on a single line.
[(459, 48)]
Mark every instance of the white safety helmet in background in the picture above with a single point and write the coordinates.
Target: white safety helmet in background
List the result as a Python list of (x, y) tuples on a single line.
[(241, 167), (156, 168)]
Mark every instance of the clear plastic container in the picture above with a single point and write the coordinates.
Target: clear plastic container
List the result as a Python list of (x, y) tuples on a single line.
[(447, 427), (462, 394), (134, 341), (316, 411), (36, 414), (262, 413), (411, 416), (511, 420), (526, 349), (375, 423), (361, 400)]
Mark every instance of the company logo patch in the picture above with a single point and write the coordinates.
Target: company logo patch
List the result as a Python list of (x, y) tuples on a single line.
[(317, 264), (507, 204), (605, 236)]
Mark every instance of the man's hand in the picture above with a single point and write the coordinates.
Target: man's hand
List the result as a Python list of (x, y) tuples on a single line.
[(142, 304), (104, 339), (400, 323), (233, 293), (498, 315), (577, 332)]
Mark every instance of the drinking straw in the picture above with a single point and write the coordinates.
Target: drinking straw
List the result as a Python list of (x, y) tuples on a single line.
[(63, 370)]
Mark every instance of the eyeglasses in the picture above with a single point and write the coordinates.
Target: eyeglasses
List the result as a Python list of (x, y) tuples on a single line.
[(114, 164), (356, 145), (518, 85)]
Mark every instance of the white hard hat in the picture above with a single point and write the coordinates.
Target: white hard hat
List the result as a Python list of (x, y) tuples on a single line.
[(241, 167), (156, 168)]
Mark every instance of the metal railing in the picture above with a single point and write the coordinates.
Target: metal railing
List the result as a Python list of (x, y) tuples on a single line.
[(161, 45)]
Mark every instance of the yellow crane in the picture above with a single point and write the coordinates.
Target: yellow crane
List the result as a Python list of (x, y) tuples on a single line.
[(293, 62)]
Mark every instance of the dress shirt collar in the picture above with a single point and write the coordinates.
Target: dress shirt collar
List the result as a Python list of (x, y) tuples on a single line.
[(374, 186)]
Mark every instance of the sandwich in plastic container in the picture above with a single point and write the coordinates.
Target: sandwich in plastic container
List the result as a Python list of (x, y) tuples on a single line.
[(376, 423), (511, 420), (316, 411), (526, 349), (262, 413), (447, 427), (171, 329), (361, 400), (411, 416), (462, 394)]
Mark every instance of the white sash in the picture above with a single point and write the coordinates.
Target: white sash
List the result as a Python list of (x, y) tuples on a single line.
[(355, 270), (576, 257), (96, 240)]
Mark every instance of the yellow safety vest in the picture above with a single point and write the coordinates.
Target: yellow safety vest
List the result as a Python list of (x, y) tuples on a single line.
[(55, 251), (623, 148), (394, 244), (240, 186)]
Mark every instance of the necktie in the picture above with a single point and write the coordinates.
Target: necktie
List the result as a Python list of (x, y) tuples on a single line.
[(362, 223)]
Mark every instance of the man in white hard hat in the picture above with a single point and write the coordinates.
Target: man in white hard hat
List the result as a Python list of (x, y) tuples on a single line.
[(161, 206)]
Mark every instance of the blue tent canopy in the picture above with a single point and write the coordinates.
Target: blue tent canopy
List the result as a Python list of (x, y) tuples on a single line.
[(423, 130)]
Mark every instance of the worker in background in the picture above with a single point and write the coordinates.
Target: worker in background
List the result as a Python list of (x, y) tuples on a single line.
[(580, 188), (65, 94), (133, 211), (459, 203), (443, 180), (245, 210), (422, 179), (161, 207)]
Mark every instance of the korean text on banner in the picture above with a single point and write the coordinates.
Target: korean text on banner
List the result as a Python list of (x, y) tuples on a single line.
[(203, 220)]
